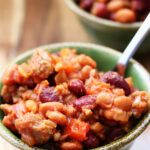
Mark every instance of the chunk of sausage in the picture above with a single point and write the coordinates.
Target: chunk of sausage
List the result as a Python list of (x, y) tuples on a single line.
[(34, 129), (41, 65)]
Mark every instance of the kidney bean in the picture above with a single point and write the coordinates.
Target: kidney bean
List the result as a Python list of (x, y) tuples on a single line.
[(138, 5), (99, 9), (115, 133), (88, 100), (109, 123), (92, 141), (49, 95), (77, 87), (115, 79), (86, 4)]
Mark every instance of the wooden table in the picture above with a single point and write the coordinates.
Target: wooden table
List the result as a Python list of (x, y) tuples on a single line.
[(26, 24)]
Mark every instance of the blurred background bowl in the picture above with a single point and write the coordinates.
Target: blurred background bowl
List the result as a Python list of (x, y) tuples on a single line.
[(107, 32)]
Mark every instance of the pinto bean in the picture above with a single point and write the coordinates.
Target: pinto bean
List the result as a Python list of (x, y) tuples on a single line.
[(114, 6), (51, 106), (125, 16), (31, 106), (104, 100), (97, 127), (57, 117), (117, 114), (123, 102), (71, 146)]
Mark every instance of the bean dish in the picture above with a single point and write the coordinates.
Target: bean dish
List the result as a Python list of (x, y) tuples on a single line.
[(62, 101), (124, 11)]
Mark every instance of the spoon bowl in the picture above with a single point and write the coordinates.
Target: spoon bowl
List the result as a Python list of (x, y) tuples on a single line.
[(133, 46)]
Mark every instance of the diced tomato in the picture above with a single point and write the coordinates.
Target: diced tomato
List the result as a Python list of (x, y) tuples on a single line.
[(78, 129)]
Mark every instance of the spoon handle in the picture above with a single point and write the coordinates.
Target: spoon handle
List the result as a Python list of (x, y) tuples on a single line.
[(135, 42)]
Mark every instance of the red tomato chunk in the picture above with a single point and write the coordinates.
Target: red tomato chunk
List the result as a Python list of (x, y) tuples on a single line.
[(78, 129)]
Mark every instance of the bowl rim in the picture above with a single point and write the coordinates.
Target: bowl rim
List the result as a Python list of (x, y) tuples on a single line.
[(128, 138), (80, 12)]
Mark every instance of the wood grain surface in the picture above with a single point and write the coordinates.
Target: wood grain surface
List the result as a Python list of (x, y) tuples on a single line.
[(26, 24)]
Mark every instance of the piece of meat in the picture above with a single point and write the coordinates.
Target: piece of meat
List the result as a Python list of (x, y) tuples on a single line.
[(41, 65), (34, 129), (12, 112)]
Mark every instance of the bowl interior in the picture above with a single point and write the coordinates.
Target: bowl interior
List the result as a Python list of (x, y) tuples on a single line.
[(106, 59)]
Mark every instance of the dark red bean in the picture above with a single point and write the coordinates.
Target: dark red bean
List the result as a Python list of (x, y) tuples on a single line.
[(86, 4), (92, 141), (138, 5), (100, 10), (29, 82), (77, 87), (109, 123), (115, 79), (49, 95), (88, 100), (115, 134)]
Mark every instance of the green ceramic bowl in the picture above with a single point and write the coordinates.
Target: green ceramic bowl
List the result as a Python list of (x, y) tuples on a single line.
[(107, 32), (106, 58)]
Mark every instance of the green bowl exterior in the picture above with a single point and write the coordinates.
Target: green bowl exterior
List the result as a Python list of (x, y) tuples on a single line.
[(109, 33), (106, 59)]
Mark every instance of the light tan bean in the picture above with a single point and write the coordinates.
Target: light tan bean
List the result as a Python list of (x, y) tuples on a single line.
[(51, 106), (117, 114), (116, 5), (97, 127), (57, 136), (104, 100), (123, 102), (57, 117), (71, 146), (125, 15), (31, 106)]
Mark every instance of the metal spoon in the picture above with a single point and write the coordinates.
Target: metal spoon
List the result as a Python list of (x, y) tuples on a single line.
[(133, 46)]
